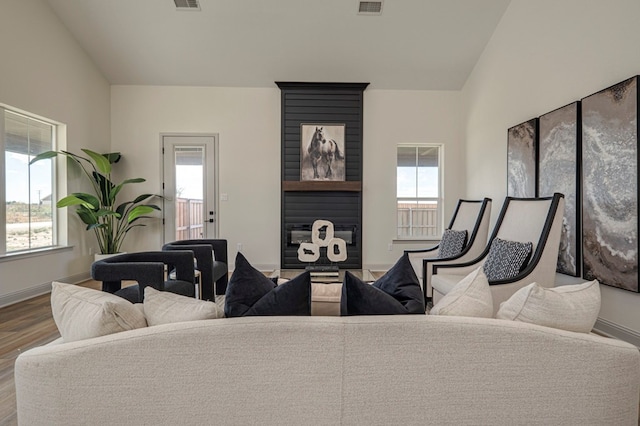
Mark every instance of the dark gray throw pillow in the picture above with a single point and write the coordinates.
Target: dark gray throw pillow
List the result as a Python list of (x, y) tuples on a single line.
[(452, 243), (506, 259), (251, 293), (396, 292)]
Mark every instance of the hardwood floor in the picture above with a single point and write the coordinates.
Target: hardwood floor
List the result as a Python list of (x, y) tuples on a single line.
[(23, 326)]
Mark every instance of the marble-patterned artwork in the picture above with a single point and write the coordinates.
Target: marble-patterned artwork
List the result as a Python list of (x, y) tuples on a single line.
[(521, 160), (610, 179), (559, 145)]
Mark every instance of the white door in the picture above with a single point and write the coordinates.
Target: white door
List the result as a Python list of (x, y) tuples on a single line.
[(189, 186)]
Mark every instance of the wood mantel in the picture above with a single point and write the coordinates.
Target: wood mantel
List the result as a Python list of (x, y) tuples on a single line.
[(349, 186)]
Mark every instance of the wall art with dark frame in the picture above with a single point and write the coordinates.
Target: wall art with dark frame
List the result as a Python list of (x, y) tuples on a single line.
[(522, 147), (322, 155), (610, 185), (559, 168)]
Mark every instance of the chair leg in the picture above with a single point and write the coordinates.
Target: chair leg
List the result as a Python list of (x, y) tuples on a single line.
[(111, 286), (221, 285)]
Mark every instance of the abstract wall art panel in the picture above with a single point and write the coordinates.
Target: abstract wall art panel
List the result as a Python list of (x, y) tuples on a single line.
[(559, 153), (522, 141), (610, 185)]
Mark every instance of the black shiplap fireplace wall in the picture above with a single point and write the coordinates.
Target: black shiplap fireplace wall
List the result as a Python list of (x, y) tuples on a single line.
[(304, 202)]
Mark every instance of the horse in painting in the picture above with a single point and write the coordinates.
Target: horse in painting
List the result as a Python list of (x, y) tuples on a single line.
[(323, 149)]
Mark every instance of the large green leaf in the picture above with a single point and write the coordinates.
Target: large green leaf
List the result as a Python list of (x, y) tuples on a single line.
[(113, 157), (116, 189), (87, 216), (138, 211), (95, 202), (73, 200), (134, 180), (121, 208), (44, 156), (106, 186), (103, 212), (102, 163), (141, 198)]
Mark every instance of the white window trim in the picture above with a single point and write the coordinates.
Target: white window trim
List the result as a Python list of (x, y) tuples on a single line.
[(59, 173), (439, 199)]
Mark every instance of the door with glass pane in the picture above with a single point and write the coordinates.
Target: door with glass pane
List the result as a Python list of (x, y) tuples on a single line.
[(190, 187)]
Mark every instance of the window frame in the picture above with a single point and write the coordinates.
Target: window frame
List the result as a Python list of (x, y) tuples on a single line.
[(58, 224), (439, 199)]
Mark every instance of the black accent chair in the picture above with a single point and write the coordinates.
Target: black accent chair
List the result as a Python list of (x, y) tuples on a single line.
[(213, 273), (148, 269)]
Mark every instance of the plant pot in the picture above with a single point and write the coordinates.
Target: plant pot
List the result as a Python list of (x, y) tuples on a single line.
[(100, 256)]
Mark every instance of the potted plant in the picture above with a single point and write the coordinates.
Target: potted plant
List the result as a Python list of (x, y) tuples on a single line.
[(101, 212)]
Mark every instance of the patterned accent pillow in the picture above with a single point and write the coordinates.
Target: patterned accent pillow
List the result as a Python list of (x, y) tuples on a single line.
[(506, 259), (452, 243)]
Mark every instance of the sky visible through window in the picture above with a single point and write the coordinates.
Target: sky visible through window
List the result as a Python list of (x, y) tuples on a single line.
[(188, 179), (427, 182), (17, 168), (189, 182)]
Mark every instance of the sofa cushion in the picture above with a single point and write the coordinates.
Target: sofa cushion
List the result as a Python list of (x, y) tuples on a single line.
[(82, 313), (325, 299), (569, 307), (452, 243), (251, 293), (506, 259), (163, 307), (471, 297), (396, 292)]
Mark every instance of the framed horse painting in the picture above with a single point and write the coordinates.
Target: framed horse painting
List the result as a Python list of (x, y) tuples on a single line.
[(322, 155)]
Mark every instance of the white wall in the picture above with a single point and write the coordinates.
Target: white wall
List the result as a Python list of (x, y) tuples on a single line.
[(248, 123), (543, 55), (392, 117), (45, 72)]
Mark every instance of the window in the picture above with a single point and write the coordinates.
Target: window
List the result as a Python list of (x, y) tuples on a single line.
[(28, 196), (419, 201)]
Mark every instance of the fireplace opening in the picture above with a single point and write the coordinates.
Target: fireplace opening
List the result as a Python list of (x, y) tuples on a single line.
[(297, 234)]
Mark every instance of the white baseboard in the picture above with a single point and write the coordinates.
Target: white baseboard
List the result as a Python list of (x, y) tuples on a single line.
[(37, 290), (377, 267), (612, 329)]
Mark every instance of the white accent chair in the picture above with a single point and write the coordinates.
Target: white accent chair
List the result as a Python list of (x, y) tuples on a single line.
[(536, 220), (470, 215)]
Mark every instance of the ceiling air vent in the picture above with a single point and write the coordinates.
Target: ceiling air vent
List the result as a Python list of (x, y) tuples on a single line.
[(370, 8), (187, 4)]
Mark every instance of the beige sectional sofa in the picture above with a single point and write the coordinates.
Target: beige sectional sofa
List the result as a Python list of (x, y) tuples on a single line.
[(362, 370)]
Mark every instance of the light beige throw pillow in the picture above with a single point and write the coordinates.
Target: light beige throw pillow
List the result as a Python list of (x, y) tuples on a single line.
[(471, 297), (568, 307), (164, 307), (82, 313)]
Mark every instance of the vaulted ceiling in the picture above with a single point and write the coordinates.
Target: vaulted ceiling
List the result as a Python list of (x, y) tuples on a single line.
[(412, 44)]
